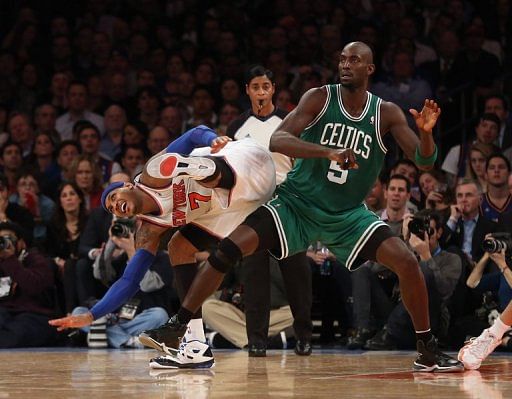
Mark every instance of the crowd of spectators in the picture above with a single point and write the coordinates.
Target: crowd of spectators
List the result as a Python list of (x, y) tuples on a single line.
[(90, 90)]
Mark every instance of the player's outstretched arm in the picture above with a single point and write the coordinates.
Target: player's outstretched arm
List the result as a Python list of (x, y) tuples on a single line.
[(421, 150), (147, 241)]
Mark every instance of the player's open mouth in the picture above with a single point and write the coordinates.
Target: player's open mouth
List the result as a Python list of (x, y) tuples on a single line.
[(124, 207)]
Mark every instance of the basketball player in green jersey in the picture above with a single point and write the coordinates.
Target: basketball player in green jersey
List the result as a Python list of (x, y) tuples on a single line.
[(335, 133)]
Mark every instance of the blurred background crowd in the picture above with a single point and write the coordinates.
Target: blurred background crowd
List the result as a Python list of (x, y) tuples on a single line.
[(90, 89)]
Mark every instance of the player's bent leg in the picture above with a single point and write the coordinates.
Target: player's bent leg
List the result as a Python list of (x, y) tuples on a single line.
[(393, 253), (182, 247)]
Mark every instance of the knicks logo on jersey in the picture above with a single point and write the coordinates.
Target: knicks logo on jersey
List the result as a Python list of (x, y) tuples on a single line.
[(343, 136), (179, 204)]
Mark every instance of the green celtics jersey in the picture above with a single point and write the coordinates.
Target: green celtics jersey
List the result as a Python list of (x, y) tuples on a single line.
[(321, 182)]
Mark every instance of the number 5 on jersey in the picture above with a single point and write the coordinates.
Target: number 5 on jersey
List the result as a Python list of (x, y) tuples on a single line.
[(336, 174)]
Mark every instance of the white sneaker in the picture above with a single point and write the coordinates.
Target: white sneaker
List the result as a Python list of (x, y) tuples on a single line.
[(477, 349), (191, 355), (171, 165)]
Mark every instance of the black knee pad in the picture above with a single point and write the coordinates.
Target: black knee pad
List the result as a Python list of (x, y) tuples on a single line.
[(225, 256)]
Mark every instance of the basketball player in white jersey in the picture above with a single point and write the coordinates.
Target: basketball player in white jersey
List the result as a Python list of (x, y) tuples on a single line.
[(223, 185)]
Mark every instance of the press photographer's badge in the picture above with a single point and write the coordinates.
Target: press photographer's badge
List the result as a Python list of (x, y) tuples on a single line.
[(5, 286), (129, 309)]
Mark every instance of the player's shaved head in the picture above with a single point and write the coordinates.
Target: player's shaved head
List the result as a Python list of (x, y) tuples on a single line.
[(361, 48)]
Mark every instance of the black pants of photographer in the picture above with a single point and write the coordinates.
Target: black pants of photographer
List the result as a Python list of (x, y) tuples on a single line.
[(399, 324), (297, 281), (21, 330)]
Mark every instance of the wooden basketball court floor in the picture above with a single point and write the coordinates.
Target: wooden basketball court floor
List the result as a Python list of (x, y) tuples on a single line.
[(82, 373)]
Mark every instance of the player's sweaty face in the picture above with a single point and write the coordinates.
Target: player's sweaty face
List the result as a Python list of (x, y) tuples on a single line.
[(352, 67), (121, 203)]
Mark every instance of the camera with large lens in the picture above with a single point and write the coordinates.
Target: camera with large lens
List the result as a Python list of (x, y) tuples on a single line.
[(497, 243), (6, 241), (419, 226), (122, 227)]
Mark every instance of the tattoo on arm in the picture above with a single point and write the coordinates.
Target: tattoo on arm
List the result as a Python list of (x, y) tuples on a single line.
[(148, 237)]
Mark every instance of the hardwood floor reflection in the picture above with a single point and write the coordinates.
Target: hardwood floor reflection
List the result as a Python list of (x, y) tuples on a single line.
[(76, 373)]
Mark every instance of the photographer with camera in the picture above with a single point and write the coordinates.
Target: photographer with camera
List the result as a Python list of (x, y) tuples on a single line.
[(25, 279), (441, 270), (498, 248)]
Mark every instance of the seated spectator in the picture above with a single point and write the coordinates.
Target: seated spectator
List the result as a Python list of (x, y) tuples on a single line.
[(171, 118), (86, 174), (43, 160), (67, 224), (131, 161), (497, 200), (134, 134), (39, 205), (486, 132), (497, 104), (410, 171), (115, 121), (437, 194), (45, 117), (11, 161), (158, 139), (89, 138), (475, 168), (12, 212), (67, 151), (441, 270), (77, 94), (372, 284), (148, 106), (21, 132), (26, 278), (466, 228)]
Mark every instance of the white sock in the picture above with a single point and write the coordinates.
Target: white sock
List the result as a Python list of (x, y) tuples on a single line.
[(498, 328), (195, 330)]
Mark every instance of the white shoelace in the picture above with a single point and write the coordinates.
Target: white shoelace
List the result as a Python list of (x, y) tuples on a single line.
[(479, 346)]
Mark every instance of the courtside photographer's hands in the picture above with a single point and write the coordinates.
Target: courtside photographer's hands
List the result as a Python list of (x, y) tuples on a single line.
[(345, 158), (219, 143), (427, 118), (126, 244), (419, 245), (499, 259), (78, 321)]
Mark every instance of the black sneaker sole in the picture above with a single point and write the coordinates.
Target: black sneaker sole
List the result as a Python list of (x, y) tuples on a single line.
[(181, 366), (421, 368)]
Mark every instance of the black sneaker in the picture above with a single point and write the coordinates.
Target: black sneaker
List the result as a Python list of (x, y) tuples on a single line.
[(257, 350), (166, 337), (381, 341), (359, 339), (431, 359), (303, 348)]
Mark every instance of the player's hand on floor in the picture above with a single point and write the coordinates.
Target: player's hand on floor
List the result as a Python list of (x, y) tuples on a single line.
[(219, 143), (345, 158), (77, 321)]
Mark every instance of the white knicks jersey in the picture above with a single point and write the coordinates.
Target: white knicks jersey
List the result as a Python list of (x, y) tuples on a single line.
[(218, 211), (260, 129)]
